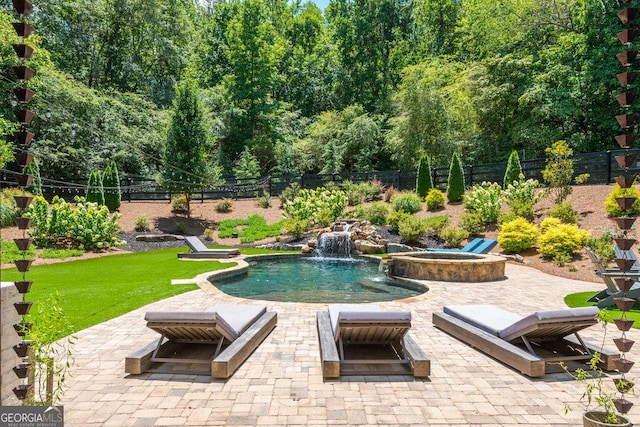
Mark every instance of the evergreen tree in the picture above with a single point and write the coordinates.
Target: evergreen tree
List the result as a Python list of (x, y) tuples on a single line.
[(514, 170), (455, 185), (247, 165), (423, 180), (186, 166), (36, 185), (95, 192), (111, 186)]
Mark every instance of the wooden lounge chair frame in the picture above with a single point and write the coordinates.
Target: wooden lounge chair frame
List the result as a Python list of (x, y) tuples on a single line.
[(534, 350), (200, 251), (606, 297), (336, 363), (223, 362)]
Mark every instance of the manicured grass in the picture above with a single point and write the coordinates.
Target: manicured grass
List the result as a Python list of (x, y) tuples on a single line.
[(580, 300), (95, 290)]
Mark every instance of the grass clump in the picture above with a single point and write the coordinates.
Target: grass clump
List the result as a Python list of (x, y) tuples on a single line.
[(407, 202), (249, 230)]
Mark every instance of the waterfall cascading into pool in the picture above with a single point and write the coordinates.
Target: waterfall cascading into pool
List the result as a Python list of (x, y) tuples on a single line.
[(336, 243)]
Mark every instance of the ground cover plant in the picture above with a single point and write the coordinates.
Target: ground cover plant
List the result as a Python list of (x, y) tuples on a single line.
[(249, 230), (89, 296)]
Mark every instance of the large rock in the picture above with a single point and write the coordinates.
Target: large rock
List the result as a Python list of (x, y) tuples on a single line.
[(367, 247), (393, 248)]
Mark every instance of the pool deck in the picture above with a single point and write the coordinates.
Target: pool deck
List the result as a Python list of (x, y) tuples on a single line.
[(281, 382)]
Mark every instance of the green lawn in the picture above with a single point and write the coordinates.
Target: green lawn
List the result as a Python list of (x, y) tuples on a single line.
[(580, 300), (95, 290)]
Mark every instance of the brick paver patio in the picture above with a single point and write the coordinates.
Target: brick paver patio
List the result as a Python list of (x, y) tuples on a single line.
[(281, 383)]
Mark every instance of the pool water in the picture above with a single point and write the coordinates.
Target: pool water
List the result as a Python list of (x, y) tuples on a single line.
[(317, 280)]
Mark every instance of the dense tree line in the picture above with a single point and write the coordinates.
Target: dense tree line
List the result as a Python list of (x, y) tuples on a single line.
[(288, 88)]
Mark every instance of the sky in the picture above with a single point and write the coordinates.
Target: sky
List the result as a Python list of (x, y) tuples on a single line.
[(322, 4)]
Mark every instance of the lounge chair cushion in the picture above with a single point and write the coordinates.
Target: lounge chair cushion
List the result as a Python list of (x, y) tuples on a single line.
[(549, 316), (363, 314), (489, 318), (239, 317), (507, 325)]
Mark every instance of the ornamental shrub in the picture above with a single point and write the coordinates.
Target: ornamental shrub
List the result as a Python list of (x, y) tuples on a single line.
[(564, 212), (521, 197), (224, 206), (472, 222), (320, 206), (34, 169), (603, 247), (111, 187), (558, 241), (455, 185), (95, 192), (395, 218), (514, 170), (141, 223), (289, 193), (180, 204), (84, 226), (517, 235), (412, 229), (435, 224), (376, 213), (423, 178), (558, 171), (295, 227), (406, 201), (486, 200), (611, 205), (8, 208), (453, 236), (434, 200)]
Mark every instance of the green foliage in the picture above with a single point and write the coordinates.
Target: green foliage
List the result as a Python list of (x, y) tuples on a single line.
[(249, 230), (111, 186), (435, 199), (564, 212), (435, 224), (376, 213), (453, 236), (34, 169), (521, 197), (247, 165), (265, 201), (514, 170), (296, 227), (224, 206), (319, 206), (406, 201), (486, 200), (603, 247), (61, 225), (50, 253), (517, 235), (412, 229), (8, 208), (455, 183), (395, 218), (95, 191), (180, 204), (141, 224), (361, 192), (472, 222), (613, 208), (424, 182), (558, 171), (289, 193), (9, 252), (557, 240), (50, 355)]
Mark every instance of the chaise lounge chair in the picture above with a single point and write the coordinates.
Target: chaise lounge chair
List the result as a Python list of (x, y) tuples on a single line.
[(364, 340), (200, 251), (476, 246), (219, 339), (606, 297), (529, 344)]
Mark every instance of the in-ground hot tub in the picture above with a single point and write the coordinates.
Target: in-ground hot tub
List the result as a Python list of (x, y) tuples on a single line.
[(446, 266)]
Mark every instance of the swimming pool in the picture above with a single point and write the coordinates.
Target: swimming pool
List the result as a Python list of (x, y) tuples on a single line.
[(316, 280)]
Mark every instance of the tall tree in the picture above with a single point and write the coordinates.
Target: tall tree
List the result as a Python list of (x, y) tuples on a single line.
[(95, 192), (111, 185), (186, 164)]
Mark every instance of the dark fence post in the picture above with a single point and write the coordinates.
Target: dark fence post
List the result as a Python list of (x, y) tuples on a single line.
[(398, 178), (470, 176), (608, 167), (129, 189)]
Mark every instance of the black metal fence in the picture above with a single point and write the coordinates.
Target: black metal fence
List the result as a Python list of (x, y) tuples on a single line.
[(601, 167)]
